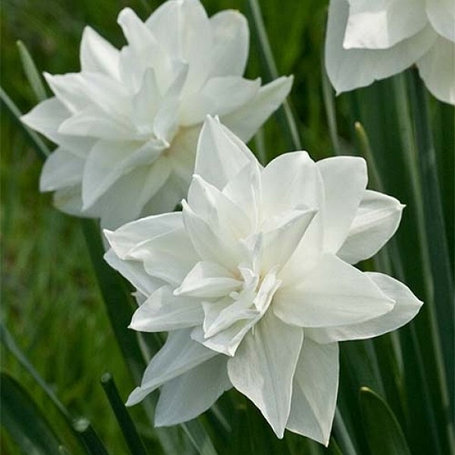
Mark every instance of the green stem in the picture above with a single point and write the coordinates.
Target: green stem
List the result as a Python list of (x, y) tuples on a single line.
[(89, 438), (285, 114), (35, 140), (435, 227), (126, 425), (342, 435)]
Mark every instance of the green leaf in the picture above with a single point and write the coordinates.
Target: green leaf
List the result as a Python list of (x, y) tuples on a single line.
[(39, 146), (384, 434), (24, 421), (435, 226), (32, 73), (88, 437), (285, 114), (124, 421), (117, 301)]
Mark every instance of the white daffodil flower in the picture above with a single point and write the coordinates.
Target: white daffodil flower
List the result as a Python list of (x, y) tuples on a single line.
[(371, 40), (254, 282), (127, 125)]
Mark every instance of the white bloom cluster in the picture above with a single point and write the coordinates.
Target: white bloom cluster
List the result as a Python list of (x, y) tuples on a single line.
[(127, 125), (370, 40), (254, 282)]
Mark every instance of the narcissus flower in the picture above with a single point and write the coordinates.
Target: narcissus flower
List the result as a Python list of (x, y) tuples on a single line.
[(254, 282), (369, 40), (127, 125)]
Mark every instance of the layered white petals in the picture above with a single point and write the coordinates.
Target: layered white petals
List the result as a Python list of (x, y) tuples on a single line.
[(315, 390), (179, 355), (341, 196), (368, 41), (230, 43), (60, 169), (261, 372), (384, 23), (375, 222), (215, 142), (441, 14), (208, 279), (252, 269), (406, 307), (134, 272), (192, 393), (133, 115), (246, 120), (163, 311), (132, 234), (334, 291), (98, 55), (437, 69)]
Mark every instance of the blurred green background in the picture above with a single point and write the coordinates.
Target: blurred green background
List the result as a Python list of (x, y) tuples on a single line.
[(50, 301)]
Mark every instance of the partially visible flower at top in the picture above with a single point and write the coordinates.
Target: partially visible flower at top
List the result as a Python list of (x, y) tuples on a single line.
[(254, 282), (371, 40), (127, 125)]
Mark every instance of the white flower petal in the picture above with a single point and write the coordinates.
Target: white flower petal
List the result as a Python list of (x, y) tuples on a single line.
[(208, 279), (110, 160), (220, 154), (184, 31), (437, 69), (246, 120), (303, 184), (281, 242), (93, 122), (46, 118), (334, 293), (230, 43), (376, 221), (353, 68), (61, 169), (179, 355), (163, 311), (342, 196), (98, 55), (134, 272), (169, 256), (244, 190), (132, 234), (218, 96), (406, 307), (69, 200), (225, 217), (441, 14), (209, 245), (136, 32), (315, 391), (260, 371), (192, 393), (384, 23)]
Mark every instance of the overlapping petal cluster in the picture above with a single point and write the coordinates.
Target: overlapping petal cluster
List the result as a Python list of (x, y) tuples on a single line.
[(370, 40), (254, 280), (127, 124)]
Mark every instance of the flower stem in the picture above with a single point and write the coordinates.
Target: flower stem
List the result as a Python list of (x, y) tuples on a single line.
[(285, 113), (129, 431), (443, 315)]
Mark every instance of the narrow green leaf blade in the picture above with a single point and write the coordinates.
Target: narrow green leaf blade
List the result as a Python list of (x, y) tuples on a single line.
[(35, 140), (31, 71), (24, 421), (125, 423), (384, 434)]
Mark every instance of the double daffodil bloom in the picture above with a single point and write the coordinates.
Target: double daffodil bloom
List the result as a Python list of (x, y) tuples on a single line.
[(255, 283), (127, 124), (371, 40)]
